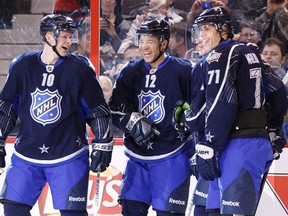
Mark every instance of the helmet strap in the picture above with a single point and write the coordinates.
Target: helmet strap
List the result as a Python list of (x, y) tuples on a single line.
[(54, 48), (160, 54)]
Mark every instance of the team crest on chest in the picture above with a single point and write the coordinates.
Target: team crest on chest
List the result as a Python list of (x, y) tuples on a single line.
[(152, 105), (213, 57), (45, 107)]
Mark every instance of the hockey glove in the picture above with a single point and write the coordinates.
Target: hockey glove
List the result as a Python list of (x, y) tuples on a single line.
[(101, 154), (178, 113), (142, 129), (206, 160), (278, 142), (2, 157)]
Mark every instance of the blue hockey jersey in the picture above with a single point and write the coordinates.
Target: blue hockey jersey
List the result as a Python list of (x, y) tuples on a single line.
[(53, 103), (154, 94), (227, 81)]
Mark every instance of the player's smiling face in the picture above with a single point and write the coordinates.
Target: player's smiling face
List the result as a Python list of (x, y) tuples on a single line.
[(64, 42), (150, 48), (208, 39)]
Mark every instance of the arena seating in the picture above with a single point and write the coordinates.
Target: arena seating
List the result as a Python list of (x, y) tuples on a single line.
[(23, 36)]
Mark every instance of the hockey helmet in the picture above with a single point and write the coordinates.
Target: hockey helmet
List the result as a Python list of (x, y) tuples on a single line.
[(216, 16), (154, 26), (56, 23)]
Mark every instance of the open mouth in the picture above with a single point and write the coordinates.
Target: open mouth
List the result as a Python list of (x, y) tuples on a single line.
[(65, 48), (147, 54)]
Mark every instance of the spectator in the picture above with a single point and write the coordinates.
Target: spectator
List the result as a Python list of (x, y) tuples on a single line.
[(249, 33), (113, 27), (180, 40), (274, 53), (6, 13), (132, 52), (107, 87), (246, 9), (84, 37), (193, 54), (176, 14), (273, 21)]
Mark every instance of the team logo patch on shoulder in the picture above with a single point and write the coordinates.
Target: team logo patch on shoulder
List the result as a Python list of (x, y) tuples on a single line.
[(45, 107), (213, 56), (152, 105)]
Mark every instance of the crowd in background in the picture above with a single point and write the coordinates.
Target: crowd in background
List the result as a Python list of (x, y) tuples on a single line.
[(261, 22)]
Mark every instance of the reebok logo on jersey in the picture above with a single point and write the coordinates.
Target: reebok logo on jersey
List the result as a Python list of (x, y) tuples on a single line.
[(177, 202), (201, 194), (231, 203), (77, 199)]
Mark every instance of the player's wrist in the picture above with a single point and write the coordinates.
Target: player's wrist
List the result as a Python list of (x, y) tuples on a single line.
[(103, 146), (205, 151), (134, 118)]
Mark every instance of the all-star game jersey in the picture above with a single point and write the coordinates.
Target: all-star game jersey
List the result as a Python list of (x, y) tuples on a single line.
[(153, 93), (230, 89), (53, 103)]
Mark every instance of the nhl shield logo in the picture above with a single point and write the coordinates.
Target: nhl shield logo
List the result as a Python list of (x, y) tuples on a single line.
[(45, 107), (151, 105)]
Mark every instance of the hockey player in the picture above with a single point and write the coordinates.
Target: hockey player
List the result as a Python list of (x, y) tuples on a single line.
[(230, 87), (54, 94), (142, 104)]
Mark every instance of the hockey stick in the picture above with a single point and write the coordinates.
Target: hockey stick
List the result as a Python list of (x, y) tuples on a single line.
[(263, 181), (97, 190)]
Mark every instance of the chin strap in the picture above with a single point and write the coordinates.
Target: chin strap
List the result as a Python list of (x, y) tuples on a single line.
[(54, 48), (160, 54)]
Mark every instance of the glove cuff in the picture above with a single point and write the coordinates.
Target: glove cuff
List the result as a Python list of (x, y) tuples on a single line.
[(134, 118), (204, 151), (108, 147)]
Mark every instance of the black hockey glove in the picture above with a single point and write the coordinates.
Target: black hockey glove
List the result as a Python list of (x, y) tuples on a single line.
[(142, 129), (207, 162), (101, 154), (178, 114), (278, 142)]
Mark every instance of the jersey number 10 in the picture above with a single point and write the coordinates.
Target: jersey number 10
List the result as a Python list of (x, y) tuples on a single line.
[(48, 79)]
